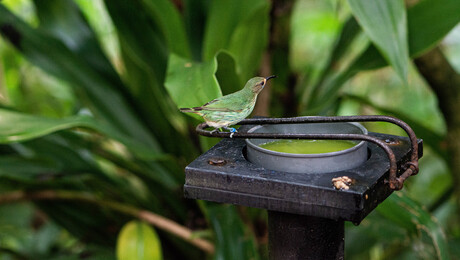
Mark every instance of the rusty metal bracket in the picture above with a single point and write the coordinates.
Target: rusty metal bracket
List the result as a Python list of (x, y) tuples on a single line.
[(394, 182)]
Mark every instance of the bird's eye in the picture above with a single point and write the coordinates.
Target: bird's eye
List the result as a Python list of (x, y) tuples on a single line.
[(261, 83)]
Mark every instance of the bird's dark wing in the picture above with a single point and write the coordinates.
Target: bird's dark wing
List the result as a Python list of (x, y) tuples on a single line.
[(210, 102), (220, 109), (222, 104)]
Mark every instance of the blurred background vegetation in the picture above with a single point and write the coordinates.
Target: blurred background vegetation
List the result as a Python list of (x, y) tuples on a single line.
[(93, 146)]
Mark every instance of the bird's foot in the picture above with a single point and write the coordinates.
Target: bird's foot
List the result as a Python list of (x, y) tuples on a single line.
[(231, 129)]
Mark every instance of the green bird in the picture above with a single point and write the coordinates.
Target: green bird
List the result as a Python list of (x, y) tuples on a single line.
[(232, 108)]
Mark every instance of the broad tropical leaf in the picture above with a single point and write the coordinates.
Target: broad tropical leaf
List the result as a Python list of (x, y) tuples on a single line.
[(343, 44), (231, 235), (106, 102), (226, 73), (170, 22), (240, 27), (422, 35), (138, 241), (430, 137), (192, 84), (409, 215), (250, 39), (64, 20), (26, 170), (28, 127), (195, 14), (386, 25), (144, 39), (429, 21)]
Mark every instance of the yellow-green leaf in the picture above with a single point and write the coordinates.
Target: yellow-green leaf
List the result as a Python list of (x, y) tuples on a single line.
[(138, 241)]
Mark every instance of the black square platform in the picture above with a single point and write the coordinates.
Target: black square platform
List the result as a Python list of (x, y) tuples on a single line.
[(223, 175)]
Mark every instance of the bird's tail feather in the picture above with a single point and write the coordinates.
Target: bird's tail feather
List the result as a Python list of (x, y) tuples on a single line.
[(190, 110)]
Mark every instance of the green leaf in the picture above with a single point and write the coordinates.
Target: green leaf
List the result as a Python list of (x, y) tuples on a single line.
[(65, 21), (240, 27), (141, 37), (192, 84), (342, 46), (69, 152), (16, 230), (138, 241), (422, 36), (429, 21), (51, 159), (144, 44), (313, 29), (170, 22), (343, 43), (106, 102), (46, 237), (233, 238), (374, 231), (409, 215), (226, 73), (250, 39), (145, 53), (161, 114), (28, 127), (195, 14), (74, 217), (96, 252), (223, 18), (429, 137), (385, 23), (22, 169)]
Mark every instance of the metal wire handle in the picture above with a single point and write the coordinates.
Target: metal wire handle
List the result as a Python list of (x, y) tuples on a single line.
[(395, 182)]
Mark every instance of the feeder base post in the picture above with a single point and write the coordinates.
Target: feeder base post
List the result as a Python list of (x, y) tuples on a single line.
[(294, 236)]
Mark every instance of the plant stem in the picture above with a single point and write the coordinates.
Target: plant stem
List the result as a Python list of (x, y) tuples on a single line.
[(147, 216)]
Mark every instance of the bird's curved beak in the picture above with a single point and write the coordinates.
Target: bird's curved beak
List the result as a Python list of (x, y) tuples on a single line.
[(270, 77)]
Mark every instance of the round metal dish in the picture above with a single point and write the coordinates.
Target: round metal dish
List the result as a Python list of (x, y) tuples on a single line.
[(307, 163)]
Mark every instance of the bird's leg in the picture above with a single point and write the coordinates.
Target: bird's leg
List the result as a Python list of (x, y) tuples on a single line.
[(231, 129), (216, 130)]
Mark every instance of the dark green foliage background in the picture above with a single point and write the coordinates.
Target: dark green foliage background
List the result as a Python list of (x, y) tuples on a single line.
[(89, 92)]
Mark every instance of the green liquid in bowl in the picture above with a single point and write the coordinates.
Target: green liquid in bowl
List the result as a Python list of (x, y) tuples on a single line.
[(308, 146)]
